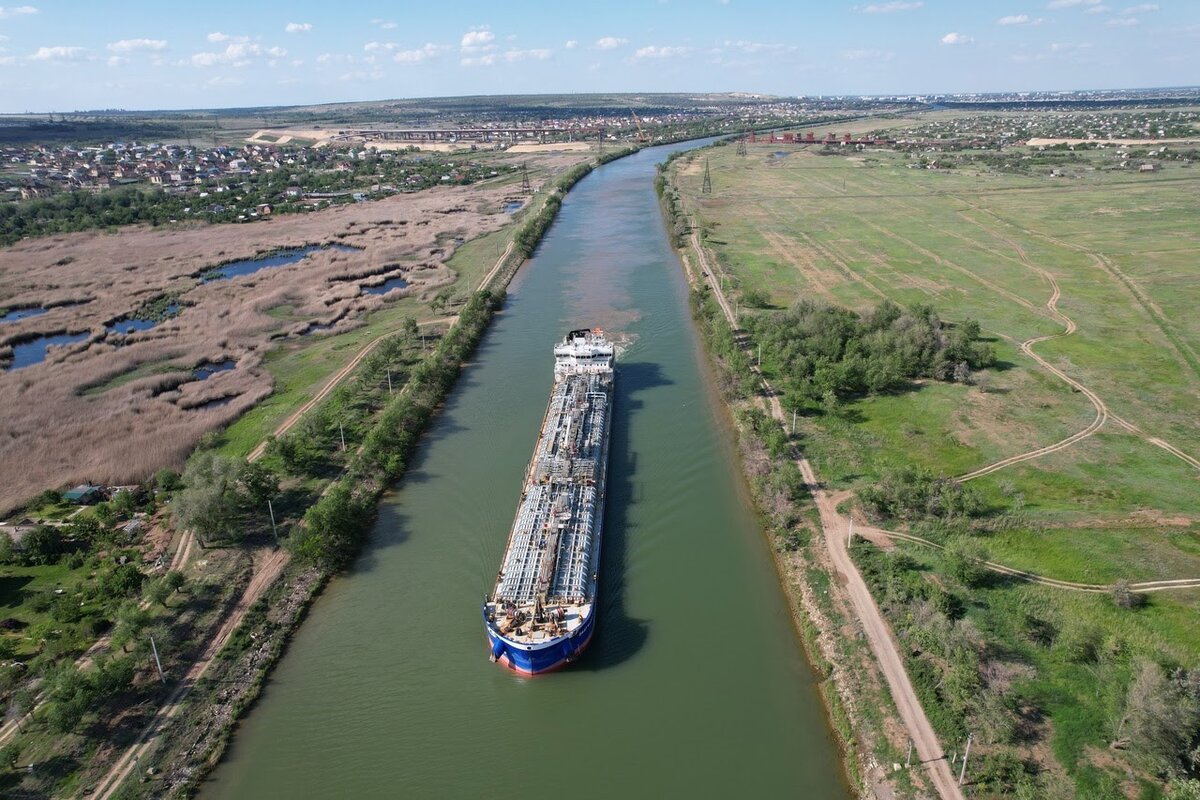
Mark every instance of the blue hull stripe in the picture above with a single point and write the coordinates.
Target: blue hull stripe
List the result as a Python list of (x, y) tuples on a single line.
[(536, 659)]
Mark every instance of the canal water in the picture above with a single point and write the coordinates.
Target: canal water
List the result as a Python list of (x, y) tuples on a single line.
[(694, 685)]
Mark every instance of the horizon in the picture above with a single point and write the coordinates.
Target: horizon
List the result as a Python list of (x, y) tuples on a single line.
[(64, 57)]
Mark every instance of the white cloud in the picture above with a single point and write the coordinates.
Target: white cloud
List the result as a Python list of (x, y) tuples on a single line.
[(1014, 19), (374, 47), (218, 37), (476, 39), (335, 58), (386, 24), (888, 8), (758, 47), (1122, 22), (486, 60), (539, 54), (1144, 8), (297, 27), (868, 55), (430, 50), (6, 60), (116, 61), (610, 43), (654, 51), (239, 52), (957, 38), (1072, 3), (571, 44), (1096, 10), (58, 53), (19, 11), (137, 45)]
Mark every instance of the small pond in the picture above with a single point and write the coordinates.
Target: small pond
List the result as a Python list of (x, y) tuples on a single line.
[(130, 325), (208, 369), (217, 402), (33, 352), (279, 258), (386, 286), (22, 313), (513, 206)]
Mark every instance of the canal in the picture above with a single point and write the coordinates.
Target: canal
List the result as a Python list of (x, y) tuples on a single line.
[(694, 685)]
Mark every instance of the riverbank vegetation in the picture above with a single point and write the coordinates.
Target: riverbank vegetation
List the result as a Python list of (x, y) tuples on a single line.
[(315, 489), (1051, 683)]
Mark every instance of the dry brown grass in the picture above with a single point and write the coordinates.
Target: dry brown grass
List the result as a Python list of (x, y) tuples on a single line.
[(53, 434)]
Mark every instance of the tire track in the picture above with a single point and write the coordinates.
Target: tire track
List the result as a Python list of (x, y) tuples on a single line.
[(877, 632), (878, 535)]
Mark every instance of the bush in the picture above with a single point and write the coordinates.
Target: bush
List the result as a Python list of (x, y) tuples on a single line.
[(963, 560)]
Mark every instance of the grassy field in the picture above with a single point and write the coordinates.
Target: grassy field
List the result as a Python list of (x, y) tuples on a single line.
[(853, 228)]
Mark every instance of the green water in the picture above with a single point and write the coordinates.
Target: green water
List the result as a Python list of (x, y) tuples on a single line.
[(694, 685)]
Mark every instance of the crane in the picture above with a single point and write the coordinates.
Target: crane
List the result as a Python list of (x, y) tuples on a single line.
[(642, 136)]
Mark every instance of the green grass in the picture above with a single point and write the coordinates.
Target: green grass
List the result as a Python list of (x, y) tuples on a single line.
[(144, 370), (978, 244)]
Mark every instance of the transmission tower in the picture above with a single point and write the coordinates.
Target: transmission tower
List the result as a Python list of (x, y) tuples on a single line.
[(741, 148), (525, 187), (600, 140), (706, 187)]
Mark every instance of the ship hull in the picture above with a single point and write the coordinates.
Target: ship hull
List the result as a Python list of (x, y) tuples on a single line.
[(532, 660), (542, 613)]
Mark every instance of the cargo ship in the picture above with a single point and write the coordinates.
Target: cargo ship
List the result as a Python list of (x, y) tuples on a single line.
[(541, 614)]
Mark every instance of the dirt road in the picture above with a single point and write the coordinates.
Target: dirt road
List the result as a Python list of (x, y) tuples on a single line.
[(270, 565), (879, 637), (339, 376)]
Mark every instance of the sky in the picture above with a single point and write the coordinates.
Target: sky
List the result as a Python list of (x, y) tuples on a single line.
[(66, 55)]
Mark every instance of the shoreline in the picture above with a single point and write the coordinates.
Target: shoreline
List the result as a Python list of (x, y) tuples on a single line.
[(185, 772), (847, 685)]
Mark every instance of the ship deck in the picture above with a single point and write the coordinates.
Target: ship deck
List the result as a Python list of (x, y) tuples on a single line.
[(550, 548)]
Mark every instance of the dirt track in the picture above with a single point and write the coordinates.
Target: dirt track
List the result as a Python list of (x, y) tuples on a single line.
[(269, 565), (879, 636), (1103, 414), (266, 571)]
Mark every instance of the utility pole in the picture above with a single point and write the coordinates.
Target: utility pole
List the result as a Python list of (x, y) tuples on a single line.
[(759, 354), (793, 422), (963, 772), (342, 434), (706, 187), (850, 534), (274, 530), (525, 186), (157, 662), (389, 372), (908, 759)]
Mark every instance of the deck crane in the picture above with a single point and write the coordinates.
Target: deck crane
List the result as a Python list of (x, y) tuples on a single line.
[(642, 136)]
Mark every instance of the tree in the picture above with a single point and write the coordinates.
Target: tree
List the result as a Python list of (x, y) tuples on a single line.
[(210, 500), (7, 553), (157, 593), (174, 580), (756, 298), (131, 619), (1160, 722), (42, 545), (167, 480), (963, 560), (258, 483)]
